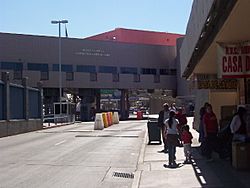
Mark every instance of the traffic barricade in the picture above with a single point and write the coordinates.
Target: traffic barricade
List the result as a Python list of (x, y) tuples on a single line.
[(99, 124), (105, 119), (115, 118)]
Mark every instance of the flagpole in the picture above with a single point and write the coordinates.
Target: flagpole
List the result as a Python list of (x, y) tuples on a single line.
[(66, 31)]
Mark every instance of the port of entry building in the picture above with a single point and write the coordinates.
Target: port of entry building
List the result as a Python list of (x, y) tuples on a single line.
[(89, 65)]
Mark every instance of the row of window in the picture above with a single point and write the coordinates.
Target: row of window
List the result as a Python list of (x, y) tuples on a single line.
[(86, 68), (44, 75)]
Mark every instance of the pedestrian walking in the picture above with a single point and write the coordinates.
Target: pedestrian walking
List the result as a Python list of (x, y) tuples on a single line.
[(186, 138), (172, 107), (163, 115), (172, 138), (182, 118)]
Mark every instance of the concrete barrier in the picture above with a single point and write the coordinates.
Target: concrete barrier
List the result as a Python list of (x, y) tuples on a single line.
[(105, 120), (110, 121), (99, 124), (115, 118), (111, 118)]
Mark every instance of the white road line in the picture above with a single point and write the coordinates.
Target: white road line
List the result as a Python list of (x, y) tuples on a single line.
[(60, 143)]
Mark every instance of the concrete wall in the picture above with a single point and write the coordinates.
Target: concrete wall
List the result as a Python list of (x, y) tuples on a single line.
[(217, 99), (21, 107), (13, 127), (182, 83), (199, 13)]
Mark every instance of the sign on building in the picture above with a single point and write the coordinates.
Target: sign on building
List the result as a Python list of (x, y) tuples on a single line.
[(210, 81), (234, 60)]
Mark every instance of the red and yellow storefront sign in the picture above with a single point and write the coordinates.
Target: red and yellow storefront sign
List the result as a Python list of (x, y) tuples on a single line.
[(234, 60)]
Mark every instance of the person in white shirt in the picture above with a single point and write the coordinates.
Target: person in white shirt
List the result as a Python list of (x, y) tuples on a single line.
[(163, 115), (238, 125), (172, 138), (172, 107)]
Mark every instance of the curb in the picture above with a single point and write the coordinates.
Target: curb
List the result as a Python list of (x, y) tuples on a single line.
[(138, 173), (54, 126)]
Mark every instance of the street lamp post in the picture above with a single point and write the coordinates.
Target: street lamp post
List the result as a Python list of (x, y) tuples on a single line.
[(60, 60)]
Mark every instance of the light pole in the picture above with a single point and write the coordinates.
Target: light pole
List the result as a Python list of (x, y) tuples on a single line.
[(60, 59)]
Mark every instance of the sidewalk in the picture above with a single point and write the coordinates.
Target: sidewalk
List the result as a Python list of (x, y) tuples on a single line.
[(200, 173)]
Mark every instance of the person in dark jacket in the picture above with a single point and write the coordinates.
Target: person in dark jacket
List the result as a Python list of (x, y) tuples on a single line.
[(163, 115), (201, 126)]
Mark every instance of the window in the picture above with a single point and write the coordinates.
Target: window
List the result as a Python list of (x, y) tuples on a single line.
[(164, 72), (67, 68), (107, 69), (55, 67), (11, 66), (172, 71), (18, 74), (44, 75), (93, 77), (38, 67), (64, 68), (157, 78), (115, 77), (148, 71), (69, 76), (137, 78), (86, 68), (128, 70)]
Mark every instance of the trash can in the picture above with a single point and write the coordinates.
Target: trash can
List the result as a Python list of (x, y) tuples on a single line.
[(241, 155), (139, 115), (154, 132)]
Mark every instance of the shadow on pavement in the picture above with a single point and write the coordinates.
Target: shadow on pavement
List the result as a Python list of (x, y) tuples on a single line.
[(218, 173)]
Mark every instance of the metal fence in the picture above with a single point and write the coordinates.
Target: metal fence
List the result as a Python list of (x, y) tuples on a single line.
[(17, 102), (34, 103), (1, 100), (20, 107)]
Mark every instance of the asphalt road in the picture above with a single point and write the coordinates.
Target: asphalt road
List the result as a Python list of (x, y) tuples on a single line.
[(72, 156)]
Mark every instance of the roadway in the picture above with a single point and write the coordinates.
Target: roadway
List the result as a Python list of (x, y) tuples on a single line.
[(72, 156)]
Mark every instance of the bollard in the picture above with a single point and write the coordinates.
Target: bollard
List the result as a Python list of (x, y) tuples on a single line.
[(116, 118), (99, 124), (108, 118), (111, 117), (105, 120)]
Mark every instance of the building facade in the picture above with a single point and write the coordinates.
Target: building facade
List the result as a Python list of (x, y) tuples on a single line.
[(215, 55), (88, 65)]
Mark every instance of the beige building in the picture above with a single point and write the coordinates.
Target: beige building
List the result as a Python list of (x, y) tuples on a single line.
[(215, 54)]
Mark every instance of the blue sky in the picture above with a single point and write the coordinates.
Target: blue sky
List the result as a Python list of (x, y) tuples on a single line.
[(90, 17)]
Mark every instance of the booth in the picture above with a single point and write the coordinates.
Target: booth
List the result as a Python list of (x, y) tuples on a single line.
[(68, 111)]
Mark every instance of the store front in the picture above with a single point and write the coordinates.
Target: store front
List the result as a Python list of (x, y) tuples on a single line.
[(219, 63)]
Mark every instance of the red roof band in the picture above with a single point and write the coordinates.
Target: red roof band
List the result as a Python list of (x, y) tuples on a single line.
[(138, 37)]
